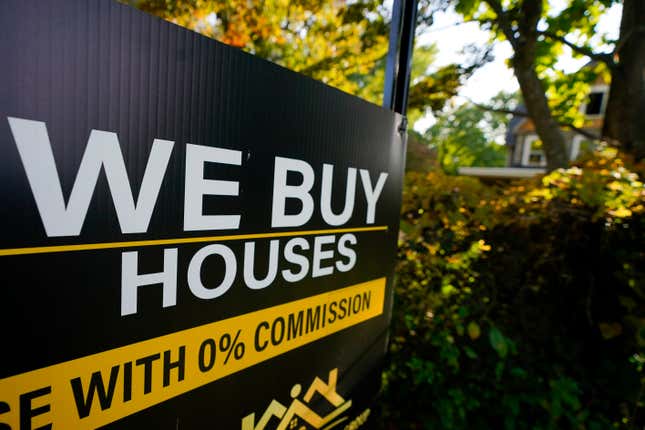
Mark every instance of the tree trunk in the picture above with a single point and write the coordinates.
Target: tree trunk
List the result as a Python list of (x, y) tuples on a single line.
[(624, 122), (524, 42), (537, 106)]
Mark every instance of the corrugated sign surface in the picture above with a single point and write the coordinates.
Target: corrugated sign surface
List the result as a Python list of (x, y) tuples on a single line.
[(191, 237)]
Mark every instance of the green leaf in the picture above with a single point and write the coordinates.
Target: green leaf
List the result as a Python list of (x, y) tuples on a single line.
[(498, 342), (470, 353), (518, 372)]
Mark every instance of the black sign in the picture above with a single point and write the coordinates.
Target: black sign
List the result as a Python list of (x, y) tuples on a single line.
[(191, 237)]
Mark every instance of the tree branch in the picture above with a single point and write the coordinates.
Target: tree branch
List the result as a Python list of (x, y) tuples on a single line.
[(503, 21), (580, 131), (584, 50), (456, 24)]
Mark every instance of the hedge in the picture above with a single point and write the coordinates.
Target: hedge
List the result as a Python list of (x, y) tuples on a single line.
[(520, 307)]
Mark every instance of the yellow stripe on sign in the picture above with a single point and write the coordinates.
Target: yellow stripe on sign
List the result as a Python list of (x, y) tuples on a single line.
[(96, 390), (176, 241)]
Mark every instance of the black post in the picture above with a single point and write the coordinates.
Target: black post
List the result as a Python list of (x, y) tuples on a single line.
[(391, 64), (397, 81)]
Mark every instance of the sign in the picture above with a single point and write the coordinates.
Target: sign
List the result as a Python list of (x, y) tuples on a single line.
[(191, 237)]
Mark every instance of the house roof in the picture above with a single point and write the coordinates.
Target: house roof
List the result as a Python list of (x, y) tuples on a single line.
[(526, 126), (515, 122), (522, 124)]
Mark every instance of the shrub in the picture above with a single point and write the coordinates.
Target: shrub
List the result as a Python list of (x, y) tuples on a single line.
[(519, 307)]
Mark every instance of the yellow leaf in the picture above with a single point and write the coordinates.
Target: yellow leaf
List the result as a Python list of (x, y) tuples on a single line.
[(621, 212), (473, 330), (610, 330)]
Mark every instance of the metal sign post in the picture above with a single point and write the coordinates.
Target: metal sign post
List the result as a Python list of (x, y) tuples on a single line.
[(399, 58)]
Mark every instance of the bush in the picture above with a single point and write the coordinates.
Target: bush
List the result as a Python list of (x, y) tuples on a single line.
[(520, 307)]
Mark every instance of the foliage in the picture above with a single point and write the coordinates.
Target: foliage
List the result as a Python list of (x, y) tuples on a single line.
[(465, 136), (432, 91), (419, 157), (520, 307), (576, 23), (568, 91), (341, 43), (431, 87)]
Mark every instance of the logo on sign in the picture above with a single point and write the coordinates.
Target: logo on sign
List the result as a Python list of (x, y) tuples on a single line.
[(300, 411)]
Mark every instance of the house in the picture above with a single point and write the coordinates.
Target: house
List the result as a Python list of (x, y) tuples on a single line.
[(523, 145), (525, 155)]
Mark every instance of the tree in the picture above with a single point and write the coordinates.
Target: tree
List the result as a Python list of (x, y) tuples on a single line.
[(624, 62), (623, 120), (342, 43), (466, 136), (335, 42), (430, 89), (517, 22), (551, 97)]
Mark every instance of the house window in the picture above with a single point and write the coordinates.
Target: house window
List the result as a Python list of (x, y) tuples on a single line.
[(533, 153), (535, 158), (594, 105)]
